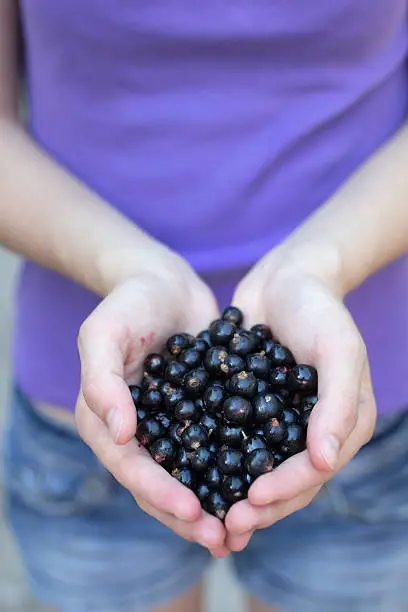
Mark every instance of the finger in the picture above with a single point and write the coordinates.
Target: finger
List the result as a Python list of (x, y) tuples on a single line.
[(237, 543), (340, 361), (134, 468), (244, 518), (102, 373), (206, 530), (298, 474)]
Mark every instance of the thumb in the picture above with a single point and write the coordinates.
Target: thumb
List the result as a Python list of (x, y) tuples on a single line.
[(340, 367), (102, 381)]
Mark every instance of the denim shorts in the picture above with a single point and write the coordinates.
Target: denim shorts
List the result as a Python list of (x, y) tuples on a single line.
[(88, 548)]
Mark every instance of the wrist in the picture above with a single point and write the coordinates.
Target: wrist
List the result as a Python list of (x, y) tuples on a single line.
[(320, 260)]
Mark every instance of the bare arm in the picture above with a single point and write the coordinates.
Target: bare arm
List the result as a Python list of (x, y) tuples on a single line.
[(47, 215), (363, 227)]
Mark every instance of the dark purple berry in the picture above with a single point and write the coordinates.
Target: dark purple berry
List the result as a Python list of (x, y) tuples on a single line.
[(237, 410), (136, 394), (278, 458), (295, 441), (195, 382), (279, 377), (234, 488), (164, 419), (202, 491), (235, 364), (281, 356), (154, 364), (215, 361), (178, 343), (214, 396), (275, 431), (163, 451), (248, 479), (304, 418), (186, 410), (182, 458), (191, 358), (262, 331), (149, 430), (262, 386), (184, 475), (150, 383), (213, 447), (141, 414), (200, 459), (308, 402), (243, 343), (221, 332), (194, 436), (265, 407), (200, 345), (290, 416), (175, 372), (229, 461), (249, 445), (216, 505), (205, 335), (233, 315), (175, 432), (153, 399), (230, 435), (171, 400), (259, 462), (259, 365), (213, 477), (244, 384), (209, 422), (303, 379)]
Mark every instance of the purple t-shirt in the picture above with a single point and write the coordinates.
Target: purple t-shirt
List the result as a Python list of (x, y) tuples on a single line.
[(218, 127)]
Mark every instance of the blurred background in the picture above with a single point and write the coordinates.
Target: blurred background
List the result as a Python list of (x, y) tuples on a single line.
[(223, 594)]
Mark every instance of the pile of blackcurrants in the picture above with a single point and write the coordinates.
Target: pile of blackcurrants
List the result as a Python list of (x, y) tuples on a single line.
[(220, 409)]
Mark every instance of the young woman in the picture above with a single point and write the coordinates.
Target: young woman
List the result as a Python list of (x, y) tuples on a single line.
[(177, 155)]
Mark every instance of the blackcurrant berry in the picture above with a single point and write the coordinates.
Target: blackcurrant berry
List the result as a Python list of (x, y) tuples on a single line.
[(236, 364), (154, 364), (186, 410), (275, 431), (234, 488), (290, 416), (215, 361), (304, 418), (243, 343), (229, 461), (209, 422), (175, 372), (182, 458), (163, 451), (237, 410), (279, 377), (213, 477), (171, 400), (303, 379), (308, 402), (216, 505), (265, 407), (184, 475), (150, 383), (178, 343), (221, 332), (175, 431), (262, 386), (201, 345), (259, 365), (205, 335), (153, 399), (295, 441), (195, 382), (252, 443), (280, 356), (191, 358), (136, 394), (233, 315), (262, 331), (141, 414), (214, 396), (200, 459), (194, 436), (278, 458), (259, 462), (164, 419), (149, 430), (202, 491), (244, 384), (230, 435)]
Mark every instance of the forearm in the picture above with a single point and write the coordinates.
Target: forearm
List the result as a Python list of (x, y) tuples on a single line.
[(49, 217), (363, 227)]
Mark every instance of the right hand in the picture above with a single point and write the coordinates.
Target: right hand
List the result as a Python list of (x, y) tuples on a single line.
[(135, 319)]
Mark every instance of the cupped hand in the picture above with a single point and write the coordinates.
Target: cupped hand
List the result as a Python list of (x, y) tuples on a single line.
[(134, 319), (307, 314)]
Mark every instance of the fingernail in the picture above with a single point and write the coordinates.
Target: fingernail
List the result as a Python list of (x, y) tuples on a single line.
[(331, 451), (114, 421)]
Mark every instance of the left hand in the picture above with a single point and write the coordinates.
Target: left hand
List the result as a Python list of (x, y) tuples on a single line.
[(306, 313)]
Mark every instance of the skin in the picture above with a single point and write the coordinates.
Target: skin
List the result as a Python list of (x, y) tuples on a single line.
[(298, 288)]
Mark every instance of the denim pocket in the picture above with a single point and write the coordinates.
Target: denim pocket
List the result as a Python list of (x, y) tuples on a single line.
[(47, 468)]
